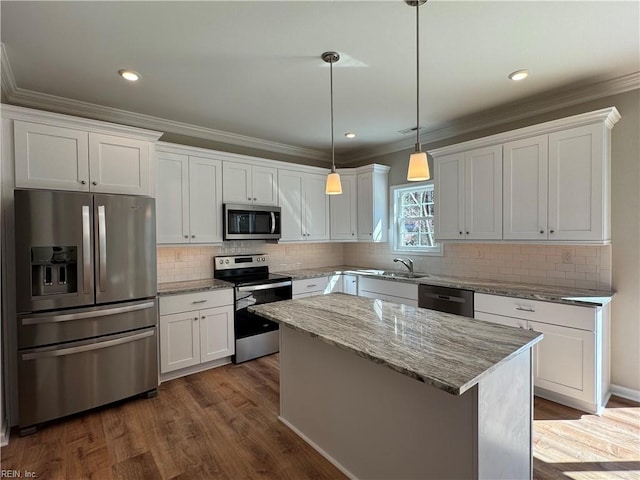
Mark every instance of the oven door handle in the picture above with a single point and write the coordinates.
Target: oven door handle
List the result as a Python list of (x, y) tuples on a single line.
[(266, 286)]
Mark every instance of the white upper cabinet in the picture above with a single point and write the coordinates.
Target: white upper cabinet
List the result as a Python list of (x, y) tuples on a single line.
[(525, 188), (555, 183), (253, 184), (343, 208), (372, 203), (188, 197), (468, 195), (59, 152), (305, 206), (578, 184)]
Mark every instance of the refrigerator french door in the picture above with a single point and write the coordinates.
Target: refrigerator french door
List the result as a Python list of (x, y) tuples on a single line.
[(87, 312)]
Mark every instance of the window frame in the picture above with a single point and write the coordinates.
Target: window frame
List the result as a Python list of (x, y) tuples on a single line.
[(394, 192)]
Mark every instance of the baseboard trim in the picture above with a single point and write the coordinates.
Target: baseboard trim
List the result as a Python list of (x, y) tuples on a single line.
[(624, 392), (165, 377), (313, 445)]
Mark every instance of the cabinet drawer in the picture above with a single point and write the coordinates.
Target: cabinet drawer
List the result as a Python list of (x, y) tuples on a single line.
[(388, 287), (572, 316), (318, 284), (195, 301)]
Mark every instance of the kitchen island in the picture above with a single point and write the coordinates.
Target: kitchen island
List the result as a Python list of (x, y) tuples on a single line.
[(384, 390)]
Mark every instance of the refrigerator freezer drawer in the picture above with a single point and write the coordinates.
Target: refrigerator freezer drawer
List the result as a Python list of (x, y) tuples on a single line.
[(76, 376), (69, 325)]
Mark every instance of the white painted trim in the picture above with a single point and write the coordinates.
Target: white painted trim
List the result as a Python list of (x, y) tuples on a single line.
[(96, 126), (624, 392), (313, 445), (609, 116), (538, 105), (165, 377), (527, 108), (4, 433)]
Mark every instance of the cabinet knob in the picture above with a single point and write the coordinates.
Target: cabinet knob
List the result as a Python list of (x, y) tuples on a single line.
[(467, 233), (193, 236), (352, 234), (202, 317), (541, 231), (195, 319), (186, 236), (550, 231), (94, 183), (248, 198), (255, 198), (460, 233), (83, 182)]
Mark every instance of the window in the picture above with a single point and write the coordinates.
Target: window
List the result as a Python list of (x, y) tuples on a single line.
[(413, 219)]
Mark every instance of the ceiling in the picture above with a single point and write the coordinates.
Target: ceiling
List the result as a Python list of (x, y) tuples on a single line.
[(251, 72)]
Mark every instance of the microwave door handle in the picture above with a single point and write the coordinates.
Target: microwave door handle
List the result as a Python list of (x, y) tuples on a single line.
[(273, 222), (102, 247), (86, 249)]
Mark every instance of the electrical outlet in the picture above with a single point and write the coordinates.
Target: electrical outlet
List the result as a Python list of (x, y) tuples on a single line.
[(479, 253), (567, 255), (179, 256)]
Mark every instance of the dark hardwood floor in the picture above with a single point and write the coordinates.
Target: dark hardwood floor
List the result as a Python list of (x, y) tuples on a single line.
[(223, 423)]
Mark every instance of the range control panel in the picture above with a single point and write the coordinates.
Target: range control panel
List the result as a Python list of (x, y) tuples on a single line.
[(241, 261)]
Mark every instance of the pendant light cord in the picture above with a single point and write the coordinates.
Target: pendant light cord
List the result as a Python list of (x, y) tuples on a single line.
[(333, 162), (417, 77)]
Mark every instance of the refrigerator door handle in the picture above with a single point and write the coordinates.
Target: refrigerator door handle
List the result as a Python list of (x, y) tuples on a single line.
[(102, 248), (86, 249), (83, 315), (87, 348)]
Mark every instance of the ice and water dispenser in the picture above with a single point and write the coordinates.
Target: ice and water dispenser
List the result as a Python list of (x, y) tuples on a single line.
[(53, 270)]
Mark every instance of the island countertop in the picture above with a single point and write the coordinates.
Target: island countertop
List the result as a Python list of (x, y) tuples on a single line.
[(446, 351)]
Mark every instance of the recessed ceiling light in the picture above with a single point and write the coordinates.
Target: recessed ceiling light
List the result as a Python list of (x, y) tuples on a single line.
[(129, 75), (518, 75), (350, 135)]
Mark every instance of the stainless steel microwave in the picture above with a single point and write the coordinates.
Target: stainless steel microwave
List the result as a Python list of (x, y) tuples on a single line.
[(251, 222)]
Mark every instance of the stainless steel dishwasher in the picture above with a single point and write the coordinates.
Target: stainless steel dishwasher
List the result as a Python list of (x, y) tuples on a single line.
[(446, 299)]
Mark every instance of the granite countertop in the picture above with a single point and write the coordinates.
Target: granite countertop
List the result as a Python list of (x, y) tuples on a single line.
[(191, 286), (571, 296), (446, 351)]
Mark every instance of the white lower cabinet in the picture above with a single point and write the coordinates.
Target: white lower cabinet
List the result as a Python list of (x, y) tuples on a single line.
[(195, 329), (350, 284), (571, 363), (389, 290), (309, 287)]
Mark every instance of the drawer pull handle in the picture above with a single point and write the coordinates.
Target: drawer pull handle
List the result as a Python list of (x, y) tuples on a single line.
[(199, 301), (311, 285), (526, 309)]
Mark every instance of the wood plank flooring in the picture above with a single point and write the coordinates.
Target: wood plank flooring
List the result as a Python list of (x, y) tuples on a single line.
[(223, 424)]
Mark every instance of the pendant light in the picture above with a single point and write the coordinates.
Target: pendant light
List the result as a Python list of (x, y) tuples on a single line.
[(333, 185), (418, 162)]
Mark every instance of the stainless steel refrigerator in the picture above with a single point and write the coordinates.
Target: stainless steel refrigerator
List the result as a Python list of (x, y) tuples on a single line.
[(86, 301)]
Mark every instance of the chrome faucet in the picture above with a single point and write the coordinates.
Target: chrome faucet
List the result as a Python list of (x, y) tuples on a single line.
[(404, 262)]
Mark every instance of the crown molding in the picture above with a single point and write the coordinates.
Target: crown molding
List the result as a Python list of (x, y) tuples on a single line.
[(509, 113), (7, 80)]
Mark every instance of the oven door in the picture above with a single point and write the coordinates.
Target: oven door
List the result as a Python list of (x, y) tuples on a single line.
[(248, 324)]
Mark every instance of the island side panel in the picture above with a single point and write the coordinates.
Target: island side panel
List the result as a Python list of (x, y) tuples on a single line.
[(505, 417), (370, 421)]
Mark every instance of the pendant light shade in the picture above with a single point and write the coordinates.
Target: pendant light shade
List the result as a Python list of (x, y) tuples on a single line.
[(418, 161), (333, 185)]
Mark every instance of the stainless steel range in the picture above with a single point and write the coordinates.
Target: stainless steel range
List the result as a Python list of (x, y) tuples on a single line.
[(254, 285)]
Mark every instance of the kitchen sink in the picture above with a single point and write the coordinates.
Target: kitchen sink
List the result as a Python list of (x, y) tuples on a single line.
[(392, 273)]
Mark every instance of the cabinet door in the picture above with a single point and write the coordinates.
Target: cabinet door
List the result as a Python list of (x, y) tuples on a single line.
[(448, 192), (483, 193), (237, 183), (264, 182), (205, 200), (316, 208), (343, 210), (51, 157), (365, 206), (291, 203), (119, 165), (576, 177), (216, 333), (350, 284), (172, 198), (564, 361), (525, 164), (179, 341)]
